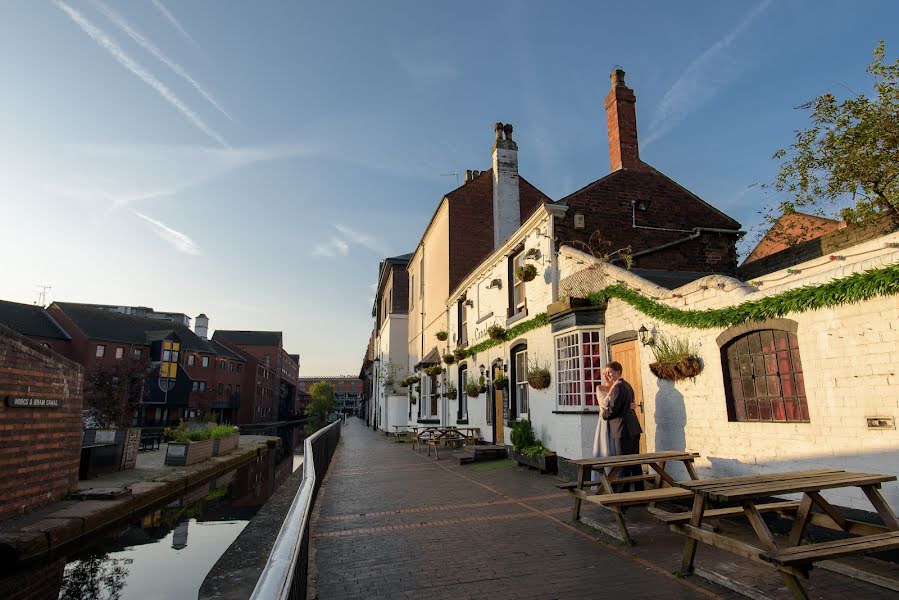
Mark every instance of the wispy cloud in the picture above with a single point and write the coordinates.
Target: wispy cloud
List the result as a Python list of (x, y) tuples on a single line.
[(174, 22), (179, 241), (339, 244), (108, 44), (335, 246), (707, 75), (142, 41)]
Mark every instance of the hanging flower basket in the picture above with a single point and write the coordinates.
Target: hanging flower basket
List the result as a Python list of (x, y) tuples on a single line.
[(442, 335), (686, 368), (473, 390), (500, 383), (526, 273), (412, 379), (496, 332), (435, 370), (460, 353), (538, 379), (449, 358)]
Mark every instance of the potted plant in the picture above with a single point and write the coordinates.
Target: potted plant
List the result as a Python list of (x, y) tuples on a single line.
[(675, 359), (225, 438), (526, 273), (412, 379), (538, 376), (442, 335), (460, 354), (188, 445), (472, 388), (449, 358), (435, 370), (500, 383), (451, 391), (527, 450), (496, 332)]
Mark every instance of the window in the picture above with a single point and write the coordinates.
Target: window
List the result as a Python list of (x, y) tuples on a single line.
[(519, 406), (411, 291), (101, 351), (202, 386), (239, 367), (229, 389), (432, 396), (237, 391), (137, 352), (190, 360), (221, 365), (462, 320), (517, 300), (231, 366), (166, 356), (462, 396), (578, 368), (221, 389), (763, 378), (196, 385), (205, 361), (119, 352)]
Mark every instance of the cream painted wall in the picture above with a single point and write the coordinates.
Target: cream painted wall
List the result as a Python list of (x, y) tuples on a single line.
[(433, 254)]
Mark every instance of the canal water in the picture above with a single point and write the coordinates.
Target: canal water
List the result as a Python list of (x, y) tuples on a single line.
[(165, 553)]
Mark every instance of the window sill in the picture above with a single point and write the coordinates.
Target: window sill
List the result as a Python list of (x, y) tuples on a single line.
[(484, 318), (461, 421), (576, 412), (516, 317), (429, 421)]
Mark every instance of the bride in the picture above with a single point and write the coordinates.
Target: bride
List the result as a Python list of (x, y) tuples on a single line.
[(603, 445)]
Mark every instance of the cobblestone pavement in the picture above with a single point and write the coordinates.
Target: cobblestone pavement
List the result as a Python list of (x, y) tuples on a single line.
[(393, 523)]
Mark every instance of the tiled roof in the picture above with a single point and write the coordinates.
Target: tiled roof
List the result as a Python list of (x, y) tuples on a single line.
[(249, 338), (100, 324), (791, 229), (225, 351), (30, 320)]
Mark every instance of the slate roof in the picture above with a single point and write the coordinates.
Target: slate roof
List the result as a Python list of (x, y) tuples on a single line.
[(431, 358), (226, 351), (30, 320), (249, 338), (100, 324), (669, 279)]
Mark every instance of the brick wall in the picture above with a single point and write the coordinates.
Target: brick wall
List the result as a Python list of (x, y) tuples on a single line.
[(39, 447)]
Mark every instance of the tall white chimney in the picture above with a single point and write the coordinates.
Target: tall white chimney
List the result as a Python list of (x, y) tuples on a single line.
[(201, 326), (506, 210)]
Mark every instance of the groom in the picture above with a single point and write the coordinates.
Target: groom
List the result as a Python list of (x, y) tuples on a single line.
[(624, 428)]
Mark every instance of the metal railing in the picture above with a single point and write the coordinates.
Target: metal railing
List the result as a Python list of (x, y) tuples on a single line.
[(284, 575)]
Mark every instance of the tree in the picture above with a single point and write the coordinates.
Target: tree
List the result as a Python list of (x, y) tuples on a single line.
[(109, 389), (850, 153), (321, 403)]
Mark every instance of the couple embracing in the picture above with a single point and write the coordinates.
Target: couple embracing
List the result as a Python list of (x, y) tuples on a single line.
[(618, 431)]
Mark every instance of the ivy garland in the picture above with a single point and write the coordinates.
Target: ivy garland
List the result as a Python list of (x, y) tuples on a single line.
[(848, 290), (523, 327)]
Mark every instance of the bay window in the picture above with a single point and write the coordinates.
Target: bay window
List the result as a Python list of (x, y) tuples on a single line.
[(579, 358)]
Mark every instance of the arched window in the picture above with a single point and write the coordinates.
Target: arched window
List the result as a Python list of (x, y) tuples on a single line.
[(518, 382), (763, 378)]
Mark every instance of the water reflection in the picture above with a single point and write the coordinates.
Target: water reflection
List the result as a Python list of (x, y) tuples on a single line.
[(166, 552)]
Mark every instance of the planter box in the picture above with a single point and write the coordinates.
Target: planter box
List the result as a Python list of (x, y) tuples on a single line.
[(179, 455), (544, 464), (225, 445)]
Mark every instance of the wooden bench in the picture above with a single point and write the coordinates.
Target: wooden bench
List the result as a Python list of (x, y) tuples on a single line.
[(572, 485), (810, 553), (736, 511), (638, 498)]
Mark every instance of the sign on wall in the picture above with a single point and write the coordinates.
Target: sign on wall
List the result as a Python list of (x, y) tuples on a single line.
[(13, 402)]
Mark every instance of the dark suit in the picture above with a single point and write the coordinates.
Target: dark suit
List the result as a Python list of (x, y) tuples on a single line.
[(624, 427)]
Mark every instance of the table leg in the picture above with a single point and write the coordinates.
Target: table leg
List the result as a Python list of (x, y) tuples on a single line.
[(686, 566), (767, 539), (691, 470), (802, 519), (659, 468), (883, 509), (580, 486), (831, 512)]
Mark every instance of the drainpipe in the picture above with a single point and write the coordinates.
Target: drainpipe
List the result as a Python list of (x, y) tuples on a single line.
[(554, 210)]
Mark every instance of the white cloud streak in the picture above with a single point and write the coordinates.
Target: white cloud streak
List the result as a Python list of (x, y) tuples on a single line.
[(108, 44), (179, 241), (150, 47), (174, 22), (703, 78), (339, 245), (363, 239), (333, 247)]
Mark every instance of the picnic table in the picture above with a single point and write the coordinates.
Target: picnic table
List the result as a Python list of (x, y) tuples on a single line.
[(790, 558), (609, 470), (433, 436)]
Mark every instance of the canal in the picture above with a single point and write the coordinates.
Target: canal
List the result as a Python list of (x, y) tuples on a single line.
[(165, 553)]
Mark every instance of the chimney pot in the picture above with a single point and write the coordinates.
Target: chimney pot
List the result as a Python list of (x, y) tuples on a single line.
[(498, 128), (475, 175), (507, 129), (618, 76), (468, 175)]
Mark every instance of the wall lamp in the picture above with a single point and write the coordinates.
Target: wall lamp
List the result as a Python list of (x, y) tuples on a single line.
[(646, 337), (495, 283), (469, 303), (533, 253), (642, 204)]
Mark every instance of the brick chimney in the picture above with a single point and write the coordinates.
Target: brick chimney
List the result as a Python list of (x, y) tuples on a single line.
[(506, 211), (621, 119)]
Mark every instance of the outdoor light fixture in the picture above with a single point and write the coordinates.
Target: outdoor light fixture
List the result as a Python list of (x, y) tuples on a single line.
[(643, 204), (532, 253), (495, 283), (469, 303), (482, 368), (645, 335)]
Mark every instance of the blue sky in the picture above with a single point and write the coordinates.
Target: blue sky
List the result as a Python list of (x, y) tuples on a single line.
[(254, 160)]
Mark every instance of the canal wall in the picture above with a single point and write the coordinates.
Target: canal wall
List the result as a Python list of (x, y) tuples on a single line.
[(40, 424), (114, 499)]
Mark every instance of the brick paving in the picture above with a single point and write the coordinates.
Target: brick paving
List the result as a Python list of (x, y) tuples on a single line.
[(393, 523)]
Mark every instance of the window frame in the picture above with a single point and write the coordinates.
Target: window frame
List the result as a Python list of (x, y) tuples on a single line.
[(577, 364), (461, 395), (204, 361), (119, 352), (100, 351), (518, 382), (518, 303)]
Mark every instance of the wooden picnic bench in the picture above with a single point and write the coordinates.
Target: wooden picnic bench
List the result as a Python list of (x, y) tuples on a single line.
[(450, 436), (609, 469), (791, 559)]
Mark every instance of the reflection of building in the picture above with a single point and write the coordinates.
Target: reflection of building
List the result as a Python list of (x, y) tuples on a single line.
[(347, 390), (179, 537)]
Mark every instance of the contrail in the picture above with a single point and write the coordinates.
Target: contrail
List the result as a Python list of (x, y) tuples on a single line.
[(180, 241), (108, 44), (150, 47), (171, 19)]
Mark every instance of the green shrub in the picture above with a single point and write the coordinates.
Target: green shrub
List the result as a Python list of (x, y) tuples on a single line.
[(222, 431), (522, 435), (536, 450)]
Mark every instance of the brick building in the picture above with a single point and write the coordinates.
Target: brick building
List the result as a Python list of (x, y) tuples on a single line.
[(40, 424), (348, 390)]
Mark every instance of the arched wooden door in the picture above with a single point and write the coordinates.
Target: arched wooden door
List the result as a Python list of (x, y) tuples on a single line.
[(498, 432), (628, 354)]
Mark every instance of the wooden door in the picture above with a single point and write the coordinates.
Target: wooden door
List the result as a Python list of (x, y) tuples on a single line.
[(628, 354), (498, 435)]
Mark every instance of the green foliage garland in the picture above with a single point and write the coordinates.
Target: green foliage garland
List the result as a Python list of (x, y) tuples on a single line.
[(857, 287), (523, 327)]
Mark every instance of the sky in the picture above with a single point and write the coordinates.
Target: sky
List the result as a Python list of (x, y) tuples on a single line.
[(255, 160)]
